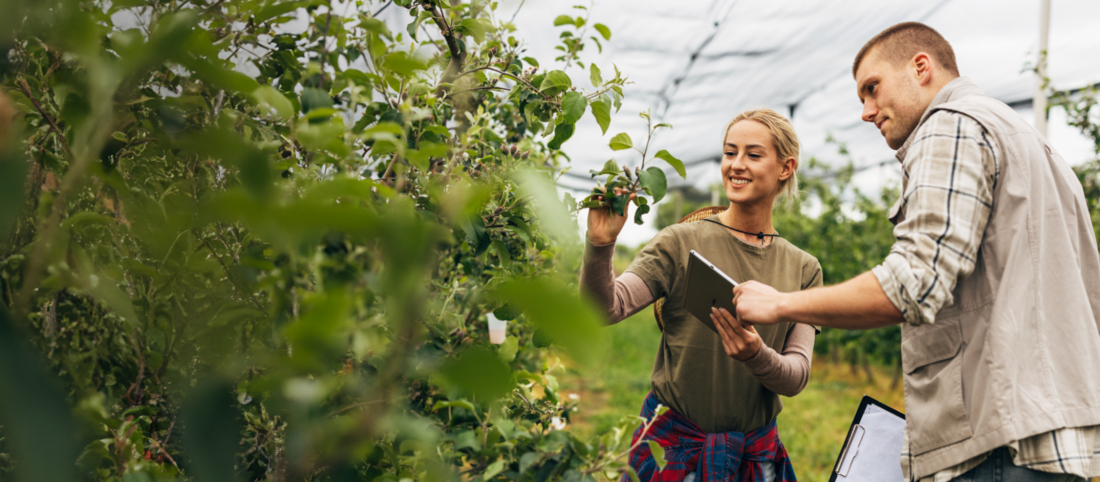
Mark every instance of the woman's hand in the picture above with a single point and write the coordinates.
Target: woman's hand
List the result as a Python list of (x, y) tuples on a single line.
[(740, 341), (604, 226)]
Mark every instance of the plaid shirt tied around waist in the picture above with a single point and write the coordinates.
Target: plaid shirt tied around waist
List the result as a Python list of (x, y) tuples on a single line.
[(714, 457)]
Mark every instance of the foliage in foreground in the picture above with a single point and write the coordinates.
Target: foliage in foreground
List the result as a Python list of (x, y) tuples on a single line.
[(251, 249)]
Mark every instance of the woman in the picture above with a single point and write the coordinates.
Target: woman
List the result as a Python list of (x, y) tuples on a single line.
[(722, 390)]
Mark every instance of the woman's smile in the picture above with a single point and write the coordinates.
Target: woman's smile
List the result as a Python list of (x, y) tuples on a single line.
[(739, 182)]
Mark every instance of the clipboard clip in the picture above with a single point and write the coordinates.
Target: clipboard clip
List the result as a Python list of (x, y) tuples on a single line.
[(855, 438)]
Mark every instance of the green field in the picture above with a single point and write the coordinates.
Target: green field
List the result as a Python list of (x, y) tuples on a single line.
[(812, 425)]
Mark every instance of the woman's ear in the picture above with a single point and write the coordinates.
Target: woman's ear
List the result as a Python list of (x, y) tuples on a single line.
[(789, 167)]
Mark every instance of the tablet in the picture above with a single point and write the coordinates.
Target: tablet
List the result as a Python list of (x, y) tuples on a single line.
[(707, 287)]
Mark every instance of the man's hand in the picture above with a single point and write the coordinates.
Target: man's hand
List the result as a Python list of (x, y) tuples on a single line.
[(757, 303), (604, 226), (741, 342)]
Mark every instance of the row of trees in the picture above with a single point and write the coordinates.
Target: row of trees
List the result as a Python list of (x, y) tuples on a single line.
[(236, 247)]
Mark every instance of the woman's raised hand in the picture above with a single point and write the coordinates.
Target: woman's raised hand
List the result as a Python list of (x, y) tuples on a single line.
[(740, 341), (604, 226)]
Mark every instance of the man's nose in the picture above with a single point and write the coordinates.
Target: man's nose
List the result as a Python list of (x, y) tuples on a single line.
[(870, 110)]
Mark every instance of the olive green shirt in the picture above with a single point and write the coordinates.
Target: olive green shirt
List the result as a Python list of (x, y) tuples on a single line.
[(692, 374)]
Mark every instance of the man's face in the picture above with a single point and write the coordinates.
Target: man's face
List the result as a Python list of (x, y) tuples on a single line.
[(891, 97)]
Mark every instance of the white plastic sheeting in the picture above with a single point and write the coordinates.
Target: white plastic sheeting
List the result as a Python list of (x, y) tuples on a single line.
[(697, 63)]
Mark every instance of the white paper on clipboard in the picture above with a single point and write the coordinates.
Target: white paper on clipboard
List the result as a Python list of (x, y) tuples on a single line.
[(874, 454)]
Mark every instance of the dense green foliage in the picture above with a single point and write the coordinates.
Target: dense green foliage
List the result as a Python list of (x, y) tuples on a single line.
[(260, 239)]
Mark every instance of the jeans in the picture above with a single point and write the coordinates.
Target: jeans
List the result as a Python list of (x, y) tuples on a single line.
[(998, 467)]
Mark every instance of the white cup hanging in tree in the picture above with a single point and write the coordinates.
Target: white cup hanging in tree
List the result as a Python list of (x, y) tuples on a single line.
[(497, 329)]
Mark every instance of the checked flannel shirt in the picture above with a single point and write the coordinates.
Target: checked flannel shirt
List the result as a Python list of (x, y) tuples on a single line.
[(949, 174), (712, 457)]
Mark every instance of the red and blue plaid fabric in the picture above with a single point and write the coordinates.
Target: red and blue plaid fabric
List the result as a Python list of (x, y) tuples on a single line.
[(714, 457)]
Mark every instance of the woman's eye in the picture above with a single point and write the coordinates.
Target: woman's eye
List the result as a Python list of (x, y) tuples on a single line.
[(731, 154), (754, 156)]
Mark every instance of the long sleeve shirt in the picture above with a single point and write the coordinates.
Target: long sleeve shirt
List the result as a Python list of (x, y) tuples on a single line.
[(949, 173)]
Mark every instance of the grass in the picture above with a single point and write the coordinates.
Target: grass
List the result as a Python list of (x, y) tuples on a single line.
[(812, 424)]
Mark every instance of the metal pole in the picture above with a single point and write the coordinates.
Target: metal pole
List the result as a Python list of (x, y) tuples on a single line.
[(1040, 102)]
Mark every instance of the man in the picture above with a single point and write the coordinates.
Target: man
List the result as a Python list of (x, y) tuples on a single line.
[(994, 276)]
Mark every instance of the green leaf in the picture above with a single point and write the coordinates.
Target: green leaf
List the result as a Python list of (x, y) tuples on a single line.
[(314, 99), (559, 311), (455, 404), (38, 422), (654, 181), (621, 141), (641, 211), (404, 64), (220, 76), (556, 79), (475, 27), (13, 175), (658, 454), (210, 415), (602, 112), (493, 469), (553, 218), (506, 313), (480, 373), (508, 349), (532, 61), (278, 9), (414, 26), (266, 95), (609, 167), (562, 133), (375, 26), (604, 31), (594, 75), (563, 20), (672, 161), (620, 203), (572, 106)]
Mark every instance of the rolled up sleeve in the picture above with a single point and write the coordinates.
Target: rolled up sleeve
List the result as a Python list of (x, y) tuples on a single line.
[(951, 171)]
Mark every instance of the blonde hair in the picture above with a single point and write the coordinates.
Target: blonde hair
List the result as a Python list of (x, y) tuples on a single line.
[(784, 138)]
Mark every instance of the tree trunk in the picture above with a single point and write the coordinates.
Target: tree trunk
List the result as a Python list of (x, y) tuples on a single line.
[(897, 375), (866, 367)]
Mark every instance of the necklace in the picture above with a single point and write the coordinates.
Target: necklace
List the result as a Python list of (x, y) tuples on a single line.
[(759, 235)]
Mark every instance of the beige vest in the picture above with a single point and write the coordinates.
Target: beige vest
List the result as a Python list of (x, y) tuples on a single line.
[(1018, 352)]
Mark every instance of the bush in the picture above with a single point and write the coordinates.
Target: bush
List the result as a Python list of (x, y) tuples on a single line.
[(248, 252)]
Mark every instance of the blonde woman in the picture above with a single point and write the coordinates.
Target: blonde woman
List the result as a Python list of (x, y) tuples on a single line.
[(722, 390)]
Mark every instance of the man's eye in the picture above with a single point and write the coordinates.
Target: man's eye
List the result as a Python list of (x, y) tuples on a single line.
[(871, 89)]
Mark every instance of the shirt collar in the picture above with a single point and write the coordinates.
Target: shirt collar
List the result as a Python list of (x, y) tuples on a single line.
[(954, 90)]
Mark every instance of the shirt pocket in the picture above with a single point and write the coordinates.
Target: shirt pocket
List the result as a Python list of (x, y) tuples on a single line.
[(935, 411)]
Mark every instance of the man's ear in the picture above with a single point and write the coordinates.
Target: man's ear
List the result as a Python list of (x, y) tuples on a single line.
[(789, 168), (921, 66)]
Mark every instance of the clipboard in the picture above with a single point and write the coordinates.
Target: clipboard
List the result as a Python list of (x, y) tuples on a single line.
[(872, 449), (707, 287)]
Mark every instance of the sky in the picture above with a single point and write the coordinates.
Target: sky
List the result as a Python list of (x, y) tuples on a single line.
[(697, 63)]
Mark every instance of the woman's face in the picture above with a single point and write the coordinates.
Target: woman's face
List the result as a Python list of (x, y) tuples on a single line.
[(751, 168)]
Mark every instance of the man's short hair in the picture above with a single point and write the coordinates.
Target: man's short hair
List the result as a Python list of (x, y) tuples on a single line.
[(904, 40)]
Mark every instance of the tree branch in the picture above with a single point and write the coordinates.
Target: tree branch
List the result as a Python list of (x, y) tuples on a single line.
[(53, 124)]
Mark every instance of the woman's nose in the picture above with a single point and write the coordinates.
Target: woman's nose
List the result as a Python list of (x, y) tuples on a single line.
[(738, 162)]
